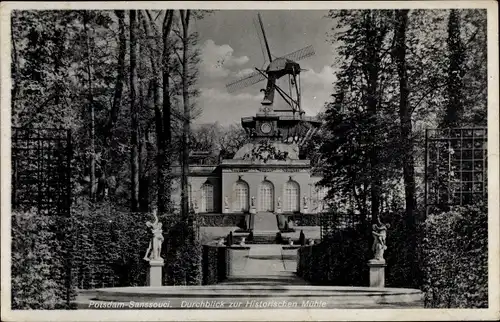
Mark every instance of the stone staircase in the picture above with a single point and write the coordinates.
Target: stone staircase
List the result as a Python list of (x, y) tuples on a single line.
[(265, 227), (263, 238), (265, 222)]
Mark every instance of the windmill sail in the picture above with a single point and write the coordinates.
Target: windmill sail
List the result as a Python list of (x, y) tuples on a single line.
[(245, 81), (256, 77), (300, 54)]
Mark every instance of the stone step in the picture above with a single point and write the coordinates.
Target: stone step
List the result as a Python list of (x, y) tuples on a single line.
[(265, 221), (262, 239)]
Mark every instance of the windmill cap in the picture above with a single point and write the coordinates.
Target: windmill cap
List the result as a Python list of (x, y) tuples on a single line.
[(280, 64)]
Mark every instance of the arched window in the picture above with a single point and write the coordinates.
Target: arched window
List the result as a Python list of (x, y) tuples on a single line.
[(266, 196), (292, 194), (207, 198), (240, 201), (321, 193)]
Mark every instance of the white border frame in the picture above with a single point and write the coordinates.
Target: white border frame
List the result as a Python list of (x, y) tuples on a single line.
[(492, 313)]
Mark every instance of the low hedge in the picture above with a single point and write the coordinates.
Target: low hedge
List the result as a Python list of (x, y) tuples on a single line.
[(220, 220), (111, 244), (183, 256), (38, 263), (214, 264), (306, 219), (340, 259), (455, 258)]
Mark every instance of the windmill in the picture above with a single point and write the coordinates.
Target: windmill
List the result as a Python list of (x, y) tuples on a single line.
[(285, 66)]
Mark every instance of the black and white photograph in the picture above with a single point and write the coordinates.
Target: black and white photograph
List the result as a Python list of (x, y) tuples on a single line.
[(260, 161)]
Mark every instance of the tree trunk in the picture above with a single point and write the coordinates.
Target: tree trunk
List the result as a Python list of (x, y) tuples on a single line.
[(406, 134), (15, 67), (92, 112), (373, 67), (134, 113), (185, 16), (120, 77), (454, 107), (162, 127), (164, 164), (117, 98)]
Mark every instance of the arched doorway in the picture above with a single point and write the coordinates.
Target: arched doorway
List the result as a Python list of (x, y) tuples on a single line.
[(291, 197), (266, 196)]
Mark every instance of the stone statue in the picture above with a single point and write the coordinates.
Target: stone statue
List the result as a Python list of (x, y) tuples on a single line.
[(305, 201), (226, 202), (379, 233), (221, 241), (195, 204), (279, 202), (253, 201), (154, 248)]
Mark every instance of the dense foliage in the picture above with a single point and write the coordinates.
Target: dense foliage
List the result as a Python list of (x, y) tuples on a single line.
[(214, 264), (38, 263), (122, 94), (363, 142), (455, 258), (399, 72), (70, 69), (111, 244), (339, 259)]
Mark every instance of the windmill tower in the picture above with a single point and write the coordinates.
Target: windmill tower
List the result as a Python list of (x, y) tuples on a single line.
[(289, 124)]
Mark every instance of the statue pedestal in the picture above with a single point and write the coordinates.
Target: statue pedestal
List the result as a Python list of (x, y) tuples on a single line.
[(278, 210), (226, 210), (377, 272), (253, 210), (155, 272), (306, 210)]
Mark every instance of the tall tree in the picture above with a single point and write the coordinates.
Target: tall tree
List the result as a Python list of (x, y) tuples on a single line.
[(405, 114), (134, 90), (360, 112), (185, 16), (120, 77), (91, 106), (165, 142), (375, 31), (454, 110)]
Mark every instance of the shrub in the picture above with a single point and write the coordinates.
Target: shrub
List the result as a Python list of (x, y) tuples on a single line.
[(38, 267), (279, 238), (340, 259), (229, 240), (214, 264), (403, 265), (250, 236), (455, 258), (302, 238), (109, 247), (184, 255), (111, 244)]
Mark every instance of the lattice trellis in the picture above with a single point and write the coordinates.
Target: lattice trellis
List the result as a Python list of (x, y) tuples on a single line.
[(41, 169), (331, 222), (456, 166), (41, 179)]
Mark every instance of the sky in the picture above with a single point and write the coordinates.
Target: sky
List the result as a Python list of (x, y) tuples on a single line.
[(230, 47)]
